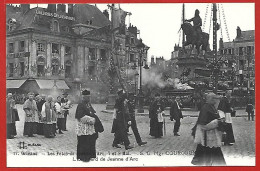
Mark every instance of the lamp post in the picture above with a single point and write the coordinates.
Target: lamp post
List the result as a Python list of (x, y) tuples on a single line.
[(142, 49)]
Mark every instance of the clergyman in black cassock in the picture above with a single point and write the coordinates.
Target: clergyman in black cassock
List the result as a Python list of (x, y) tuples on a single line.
[(121, 121), (88, 127)]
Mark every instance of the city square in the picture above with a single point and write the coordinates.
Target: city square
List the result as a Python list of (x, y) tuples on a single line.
[(88, 86)]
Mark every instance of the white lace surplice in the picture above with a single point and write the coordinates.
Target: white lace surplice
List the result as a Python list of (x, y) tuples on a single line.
[(214, 137), (160, 117), (85, 126)]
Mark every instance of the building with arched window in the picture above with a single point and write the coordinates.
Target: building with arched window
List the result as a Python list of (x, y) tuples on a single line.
[(72, 47)]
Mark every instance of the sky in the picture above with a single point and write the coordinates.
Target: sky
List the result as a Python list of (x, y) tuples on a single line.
[(159, 23)]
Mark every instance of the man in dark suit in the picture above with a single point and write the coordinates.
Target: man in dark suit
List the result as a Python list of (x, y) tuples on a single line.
[(131, 110), (176, 114)]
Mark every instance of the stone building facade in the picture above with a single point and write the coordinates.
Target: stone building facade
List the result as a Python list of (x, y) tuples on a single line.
[(240, 57), (54, 47)]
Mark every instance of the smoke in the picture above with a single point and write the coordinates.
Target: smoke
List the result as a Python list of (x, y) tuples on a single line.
[(154, 79)]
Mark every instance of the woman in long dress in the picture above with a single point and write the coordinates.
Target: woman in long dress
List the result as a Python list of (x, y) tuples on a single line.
[(208, 136), (156, 119)]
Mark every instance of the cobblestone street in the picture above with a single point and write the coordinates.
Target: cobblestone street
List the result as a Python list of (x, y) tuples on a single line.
[(244, 132)]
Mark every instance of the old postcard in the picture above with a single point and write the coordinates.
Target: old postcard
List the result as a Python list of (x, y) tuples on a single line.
[(130, 85)]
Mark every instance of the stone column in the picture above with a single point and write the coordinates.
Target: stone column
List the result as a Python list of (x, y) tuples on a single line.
[(80, 67), (97, 59), (86, 59), (48, 59), (62, 63), (32, 61)]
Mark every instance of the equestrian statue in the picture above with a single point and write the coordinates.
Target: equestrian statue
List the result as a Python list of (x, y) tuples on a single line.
[(194, 34)]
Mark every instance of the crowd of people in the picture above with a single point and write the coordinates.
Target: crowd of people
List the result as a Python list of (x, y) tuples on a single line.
[(43, 115)]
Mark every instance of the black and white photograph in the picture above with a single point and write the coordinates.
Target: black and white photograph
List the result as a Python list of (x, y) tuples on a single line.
[(130, 85)]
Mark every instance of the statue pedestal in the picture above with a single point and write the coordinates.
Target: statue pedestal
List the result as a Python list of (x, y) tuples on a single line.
[(111, 102)]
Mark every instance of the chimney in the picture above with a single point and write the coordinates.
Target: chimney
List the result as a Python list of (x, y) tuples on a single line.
[(70, 9), (238, 32), (152, 60), (221, 44), (25, 8), (51, 8), (106, 14), (61, 8)]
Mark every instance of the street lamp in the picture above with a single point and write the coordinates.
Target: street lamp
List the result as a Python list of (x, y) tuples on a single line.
[(141, 49)]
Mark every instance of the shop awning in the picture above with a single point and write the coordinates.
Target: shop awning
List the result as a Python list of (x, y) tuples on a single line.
[(49, 84), (14, 83)]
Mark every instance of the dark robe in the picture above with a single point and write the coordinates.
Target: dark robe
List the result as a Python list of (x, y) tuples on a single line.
[(204, 155), (156, 128), (86, 145), (120, 124), (40, 124), (11, 117), (225, 106)]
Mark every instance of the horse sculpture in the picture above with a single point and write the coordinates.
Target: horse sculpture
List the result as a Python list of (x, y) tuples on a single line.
[(193, 38)]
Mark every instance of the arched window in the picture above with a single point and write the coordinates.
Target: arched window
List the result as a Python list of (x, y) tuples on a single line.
[(55, 66), (40, 66), (67, 69), (55, 26)]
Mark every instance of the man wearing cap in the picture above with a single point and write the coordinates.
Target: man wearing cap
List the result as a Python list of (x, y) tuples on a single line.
[(176, 114), (10, 116), (87, 129), (121, 120), (131, 108), (48, 113), (31, 115)]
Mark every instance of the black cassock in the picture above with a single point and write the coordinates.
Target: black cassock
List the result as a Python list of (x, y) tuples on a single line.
[(156, 128), (86, 146), (120, 124)]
